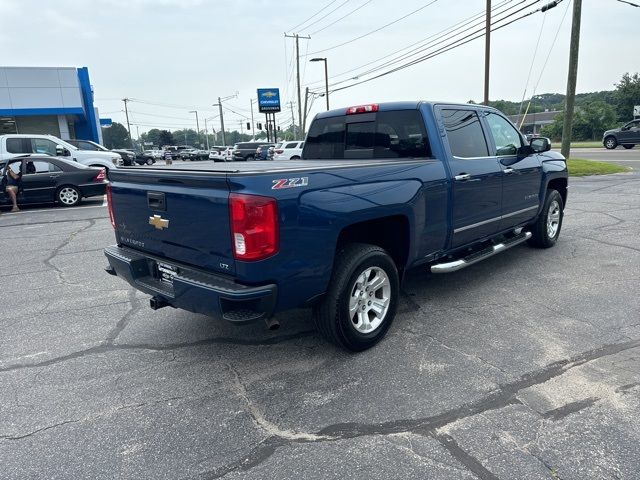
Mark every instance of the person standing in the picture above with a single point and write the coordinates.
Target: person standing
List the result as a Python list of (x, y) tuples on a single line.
[(14, 183)]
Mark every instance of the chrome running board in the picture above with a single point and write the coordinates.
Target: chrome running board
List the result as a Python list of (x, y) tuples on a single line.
[(481, 255)]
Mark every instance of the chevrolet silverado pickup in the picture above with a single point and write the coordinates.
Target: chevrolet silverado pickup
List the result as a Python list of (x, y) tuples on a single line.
[(381, 188)]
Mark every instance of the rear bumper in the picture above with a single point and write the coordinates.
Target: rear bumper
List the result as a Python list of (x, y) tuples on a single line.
[(191, 289)]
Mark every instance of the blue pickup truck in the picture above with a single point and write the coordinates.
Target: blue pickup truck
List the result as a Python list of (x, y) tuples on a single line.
[(381, 188)]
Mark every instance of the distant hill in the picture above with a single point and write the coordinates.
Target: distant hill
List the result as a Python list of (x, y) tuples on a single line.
[(552, 101)]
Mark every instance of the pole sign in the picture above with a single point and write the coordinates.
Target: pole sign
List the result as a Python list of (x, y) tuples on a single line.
[(636, 111), (268, 100)]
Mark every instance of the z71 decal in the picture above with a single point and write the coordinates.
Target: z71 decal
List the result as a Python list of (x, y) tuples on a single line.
[(290, 183)]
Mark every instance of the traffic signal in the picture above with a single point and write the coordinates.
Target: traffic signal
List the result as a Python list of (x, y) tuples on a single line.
[(248, 126), (278, 127), (259, 126)]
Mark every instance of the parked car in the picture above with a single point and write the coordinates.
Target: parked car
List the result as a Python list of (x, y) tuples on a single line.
[(217, 154), (188, 154), (289, 150), (128, 156), (149, 157), (247, 150), (382, 188), (627, 136), (47, 179), (13, 145)]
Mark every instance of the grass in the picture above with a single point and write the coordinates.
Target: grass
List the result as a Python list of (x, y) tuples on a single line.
[(593, 144), (579, 167)]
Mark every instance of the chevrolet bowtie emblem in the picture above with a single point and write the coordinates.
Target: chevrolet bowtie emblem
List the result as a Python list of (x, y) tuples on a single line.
[(158, 222)]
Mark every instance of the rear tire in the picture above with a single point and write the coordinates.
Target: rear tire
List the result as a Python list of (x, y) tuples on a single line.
[(295, 157), (546, 229), (68, 196), (149, 161), (362, 298), (250, 158), (629, 146)]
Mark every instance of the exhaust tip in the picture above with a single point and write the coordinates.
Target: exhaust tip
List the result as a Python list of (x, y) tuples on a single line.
[(272, 324)]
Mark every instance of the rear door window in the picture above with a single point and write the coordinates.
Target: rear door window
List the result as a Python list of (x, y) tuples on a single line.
[(465, 134), (18, 145)]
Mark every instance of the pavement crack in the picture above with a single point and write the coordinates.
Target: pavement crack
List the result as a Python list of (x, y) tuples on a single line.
[(271, 429), (26, 435), (49, 260), (469, 461), (106, 347), (566, 410)]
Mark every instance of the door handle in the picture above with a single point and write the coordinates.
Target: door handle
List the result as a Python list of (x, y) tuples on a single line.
[(462, 177), (508, 171)]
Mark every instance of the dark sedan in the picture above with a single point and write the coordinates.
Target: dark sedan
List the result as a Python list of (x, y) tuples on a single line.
[(47, 179)]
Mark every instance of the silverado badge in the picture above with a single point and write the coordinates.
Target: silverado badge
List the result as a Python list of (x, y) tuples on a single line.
[(158, 222)]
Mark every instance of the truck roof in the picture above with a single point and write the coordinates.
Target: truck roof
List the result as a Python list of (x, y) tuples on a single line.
[(401, 105)]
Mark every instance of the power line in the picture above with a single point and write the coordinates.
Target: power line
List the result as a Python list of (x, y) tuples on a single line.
[(376, 30), (455, 44), (478, 24), (446, 31), (314, 15), (325, 16), (533, 59), (629, 3), (341, 18)]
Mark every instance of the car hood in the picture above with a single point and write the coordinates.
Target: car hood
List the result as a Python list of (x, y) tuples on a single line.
[(613, 130)]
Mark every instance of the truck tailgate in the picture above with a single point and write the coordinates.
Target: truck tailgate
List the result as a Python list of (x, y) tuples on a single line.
[(178, 216)]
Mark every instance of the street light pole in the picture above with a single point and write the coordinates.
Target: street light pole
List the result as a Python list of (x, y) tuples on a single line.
[(206, 133), (326, 78), (197, 127), (487, 52), (219, 104), (253, 125)]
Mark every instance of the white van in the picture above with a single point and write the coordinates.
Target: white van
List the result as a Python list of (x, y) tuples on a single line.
[(14, 145)]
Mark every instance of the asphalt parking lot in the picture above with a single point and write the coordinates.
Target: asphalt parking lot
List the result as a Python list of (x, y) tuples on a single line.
[(525, 366)]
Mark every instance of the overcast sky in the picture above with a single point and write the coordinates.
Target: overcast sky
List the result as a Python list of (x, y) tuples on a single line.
[(188, 52)]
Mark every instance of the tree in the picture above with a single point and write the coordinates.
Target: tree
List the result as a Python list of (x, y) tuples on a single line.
[(165, 137), (116, 136), (589, 122), (627, 94)]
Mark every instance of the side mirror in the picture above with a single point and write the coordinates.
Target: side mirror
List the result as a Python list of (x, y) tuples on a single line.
[(62, 152), (540, 144)]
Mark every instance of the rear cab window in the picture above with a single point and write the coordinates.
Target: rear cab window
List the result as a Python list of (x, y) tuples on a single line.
[(385, 134)]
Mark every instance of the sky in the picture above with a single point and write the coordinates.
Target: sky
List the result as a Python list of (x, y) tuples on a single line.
[(174, 56)]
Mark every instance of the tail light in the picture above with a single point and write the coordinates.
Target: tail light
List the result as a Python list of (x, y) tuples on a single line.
[(101, 176), (372, 107), (110, 206), (254, 226), (279, 151)]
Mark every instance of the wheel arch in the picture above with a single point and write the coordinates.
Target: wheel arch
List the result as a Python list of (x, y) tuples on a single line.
[(391, 233), (561, 186)]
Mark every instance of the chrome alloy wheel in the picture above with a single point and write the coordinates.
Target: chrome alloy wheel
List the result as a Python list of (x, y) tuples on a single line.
[(553, 219), (68, 196), (369, 300), (610, 143)]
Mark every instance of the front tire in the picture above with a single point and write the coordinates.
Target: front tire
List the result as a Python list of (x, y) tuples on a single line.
[(68, 196), (250, 158), (149, 161), (610, 143), (362, 298), (629, 146), (546, 229)]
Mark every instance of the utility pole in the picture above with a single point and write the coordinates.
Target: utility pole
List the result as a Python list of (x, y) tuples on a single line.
[(572, 78), (487, 52), (293, 121), (206, 133), (224, 141), (197, 127), (126, 112), (253, 125), (326, 78), (297, 37), (304, 118), (138, 134)]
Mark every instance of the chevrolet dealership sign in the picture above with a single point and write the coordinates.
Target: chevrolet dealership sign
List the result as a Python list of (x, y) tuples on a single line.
[(268, 100)]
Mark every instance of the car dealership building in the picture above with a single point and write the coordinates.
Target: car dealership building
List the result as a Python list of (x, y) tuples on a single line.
[(48, 100)]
